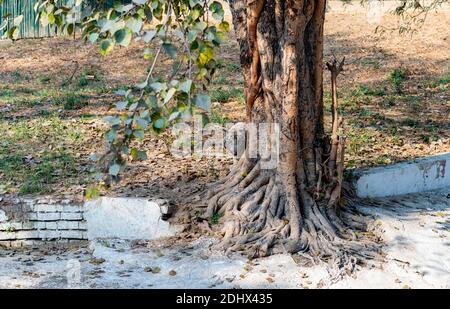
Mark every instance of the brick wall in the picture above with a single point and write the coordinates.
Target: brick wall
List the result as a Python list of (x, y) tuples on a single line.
[(25, 222)]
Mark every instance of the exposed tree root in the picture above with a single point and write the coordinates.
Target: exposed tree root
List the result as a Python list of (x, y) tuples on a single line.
[(256, 219)]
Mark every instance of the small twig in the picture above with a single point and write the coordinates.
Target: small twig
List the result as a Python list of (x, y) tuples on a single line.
[(69, 80)]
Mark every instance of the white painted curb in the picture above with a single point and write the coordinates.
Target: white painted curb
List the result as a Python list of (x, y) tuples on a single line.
[(126, 218), (416, 176)]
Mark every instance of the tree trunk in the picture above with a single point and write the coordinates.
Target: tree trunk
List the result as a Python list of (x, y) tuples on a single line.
[(295, 206)]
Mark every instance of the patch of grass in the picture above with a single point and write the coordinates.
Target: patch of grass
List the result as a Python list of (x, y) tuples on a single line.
[(83, 81), (383, 159), (222, 95), (218, 117), (221, 80), (409, 122), (234, 67), (357, 140), (372, 91), (71, 100), (17, 75), (346, 100), (35, 153), (442, 82), (219, 64), (387, 102), (371, 63), (44, 112), (215, 218), (54, 164), (87, 116), (414, 102), (364, 112), (6, 93), (396, 77), (44, 79)]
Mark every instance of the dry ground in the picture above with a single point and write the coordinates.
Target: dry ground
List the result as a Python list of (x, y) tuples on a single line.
[(415, 230), (394, 96)]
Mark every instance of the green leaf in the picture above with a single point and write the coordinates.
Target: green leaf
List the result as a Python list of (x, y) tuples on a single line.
[(147, 53), (169, 95), (200, 26), (138, 154), (18, 20), (139, 1), (202, 101), (114, 169), (91, 192), (121, 105), (217, 10), (113, 120), (206, 53), (43, 19), (149, 35), (174, 116), (159, 124), (106, 46), (123, 36), (51, 18), (70, 28), (13, 33), (139, 134), (135, 24), (170, 49), (142, 123), (124, 8), (93, 37), (111, 135), (225, 26), (157, 87), (185, 86)]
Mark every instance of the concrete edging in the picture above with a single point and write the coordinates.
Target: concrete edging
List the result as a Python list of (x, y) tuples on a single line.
[(415, 176)]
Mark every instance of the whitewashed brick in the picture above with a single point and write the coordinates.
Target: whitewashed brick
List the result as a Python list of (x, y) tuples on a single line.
[(49, 234), (7, 235), (32, 216), (27, 234), (25, 243), (72, 209), (72, 234), (48, 216), (28, 225), (40, 225), (10, 226), (51, 225), (82, 225), (67, 225), (72, 216), (47, 208)]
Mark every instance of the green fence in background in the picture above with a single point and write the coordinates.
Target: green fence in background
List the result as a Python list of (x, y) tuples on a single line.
[(29, 27)]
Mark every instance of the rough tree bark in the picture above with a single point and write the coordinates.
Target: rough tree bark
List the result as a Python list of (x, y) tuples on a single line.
[(295, 207)]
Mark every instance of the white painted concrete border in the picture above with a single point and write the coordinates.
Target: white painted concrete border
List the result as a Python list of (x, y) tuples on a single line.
[(420, 175), (127, 218)]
